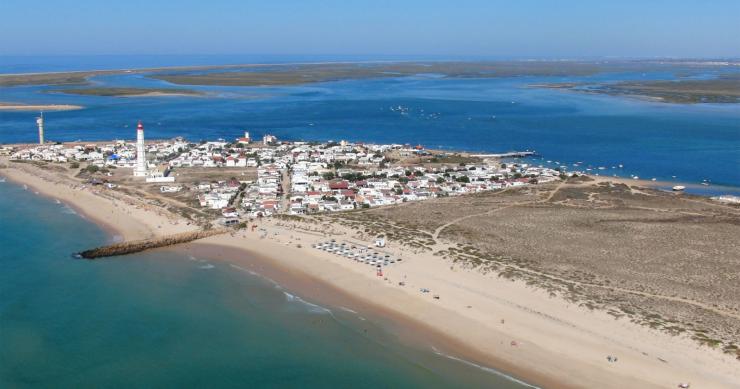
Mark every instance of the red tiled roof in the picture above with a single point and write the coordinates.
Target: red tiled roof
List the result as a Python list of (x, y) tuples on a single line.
[(338, 185)]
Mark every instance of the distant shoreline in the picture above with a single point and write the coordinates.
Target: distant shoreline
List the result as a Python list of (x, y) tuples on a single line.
[(38, 107), (128, 92), (722, 90)]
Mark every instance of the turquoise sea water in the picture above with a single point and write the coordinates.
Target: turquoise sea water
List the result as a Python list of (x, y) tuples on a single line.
[(166, 320)]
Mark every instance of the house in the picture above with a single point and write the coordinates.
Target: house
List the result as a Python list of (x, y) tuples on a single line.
[(170, 189), (229, 221), (229, 212), (159, 174), (245, 140), (339, 185), (346, 206), (269, 140)]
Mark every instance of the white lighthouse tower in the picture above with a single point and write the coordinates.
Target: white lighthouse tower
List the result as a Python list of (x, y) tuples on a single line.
[(140, 169), (40, 123)]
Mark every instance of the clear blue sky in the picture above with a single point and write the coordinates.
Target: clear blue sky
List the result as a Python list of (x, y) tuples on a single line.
[(487, 28)]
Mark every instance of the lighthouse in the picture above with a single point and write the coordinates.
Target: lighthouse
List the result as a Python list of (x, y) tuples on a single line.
[(40, 123), (140, 169)]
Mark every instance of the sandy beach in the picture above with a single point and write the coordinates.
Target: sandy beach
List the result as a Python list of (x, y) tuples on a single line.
[(37, 107), (491, 321), (164, 94), (123, 216)]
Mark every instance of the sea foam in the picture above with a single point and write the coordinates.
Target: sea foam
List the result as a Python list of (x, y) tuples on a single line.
[(68, 210), (484, 368), (312, 308)]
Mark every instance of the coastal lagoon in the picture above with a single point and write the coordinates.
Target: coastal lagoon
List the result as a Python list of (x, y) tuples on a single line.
[(167, 319), (688, 143), (172, 319)]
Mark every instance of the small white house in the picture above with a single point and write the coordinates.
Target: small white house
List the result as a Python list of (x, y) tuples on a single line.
[(159, 174), (170, 189)]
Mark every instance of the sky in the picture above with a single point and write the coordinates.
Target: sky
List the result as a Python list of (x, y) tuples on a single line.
[(435, 28)]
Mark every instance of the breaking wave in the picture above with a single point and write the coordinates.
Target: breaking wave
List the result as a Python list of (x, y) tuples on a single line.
[(486, 369), (313, 308), (68, 210), (348, 310), (268, 279)]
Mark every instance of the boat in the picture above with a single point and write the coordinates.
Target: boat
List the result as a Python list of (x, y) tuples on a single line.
[(678, 188), (2, 179)]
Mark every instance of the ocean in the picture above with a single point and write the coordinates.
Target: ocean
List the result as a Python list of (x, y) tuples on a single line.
[(165, 319), (669, 142), (169, 320)]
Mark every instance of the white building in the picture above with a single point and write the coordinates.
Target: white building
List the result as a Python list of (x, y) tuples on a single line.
[(140, 169), (159, 174), (244, 140), (269, 140)]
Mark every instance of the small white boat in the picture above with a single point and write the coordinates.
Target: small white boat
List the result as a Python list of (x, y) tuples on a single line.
[(2, 179), (678, 188)]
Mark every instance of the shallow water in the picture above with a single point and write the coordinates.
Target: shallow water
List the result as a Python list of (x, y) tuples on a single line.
[(171, 320), (674, 142)]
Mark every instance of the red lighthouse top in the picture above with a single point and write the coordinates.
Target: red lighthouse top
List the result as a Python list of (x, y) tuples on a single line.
[(140, 127)]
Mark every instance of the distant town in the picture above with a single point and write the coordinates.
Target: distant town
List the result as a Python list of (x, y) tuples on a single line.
[(260, 178)]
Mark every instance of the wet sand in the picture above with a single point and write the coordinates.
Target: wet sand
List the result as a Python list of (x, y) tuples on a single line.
[(411, 332)]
